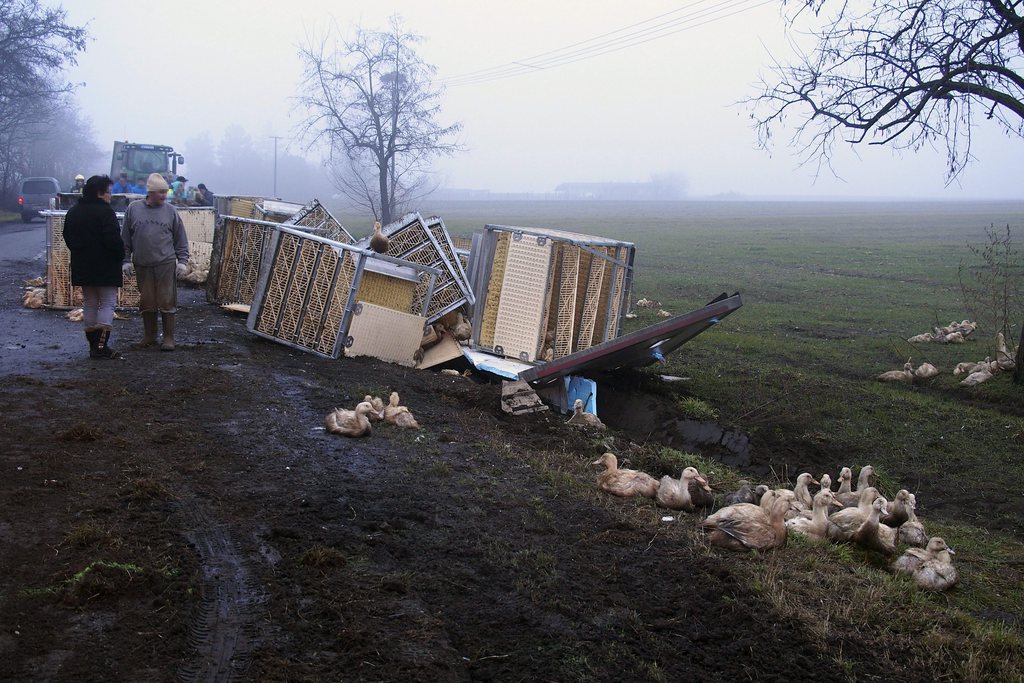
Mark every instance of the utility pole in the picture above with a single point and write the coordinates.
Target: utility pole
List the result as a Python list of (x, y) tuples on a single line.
[(275, 138)]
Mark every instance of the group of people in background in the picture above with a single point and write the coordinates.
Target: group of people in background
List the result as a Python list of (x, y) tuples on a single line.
[(179, 192), (151, 244)]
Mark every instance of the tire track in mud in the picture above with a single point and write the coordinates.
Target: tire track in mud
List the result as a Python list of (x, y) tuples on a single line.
[(223, 629)]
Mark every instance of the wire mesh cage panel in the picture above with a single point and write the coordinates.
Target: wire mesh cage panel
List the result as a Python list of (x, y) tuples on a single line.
[(411, 239), (60, 293), (315, 217), (243, 241), (549, 293), (308, 287), (440, 233)]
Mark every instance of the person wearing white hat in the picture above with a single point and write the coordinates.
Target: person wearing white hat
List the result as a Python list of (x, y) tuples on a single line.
[(156, 250)]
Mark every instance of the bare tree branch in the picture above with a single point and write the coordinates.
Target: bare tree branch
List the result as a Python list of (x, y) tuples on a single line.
[(370, 101), (902, 73)]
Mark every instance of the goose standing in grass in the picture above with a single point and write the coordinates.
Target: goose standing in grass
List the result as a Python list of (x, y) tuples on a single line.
[(379, 242), (814, 524), (912, 531), (352, 423), (581, 418), (748, 527), (904, 375), (675, 493), (624, 482)]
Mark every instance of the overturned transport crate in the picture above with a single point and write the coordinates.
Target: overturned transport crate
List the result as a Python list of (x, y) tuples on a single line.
[(543, 294), (427, 243), (315, 218), (330, 298)]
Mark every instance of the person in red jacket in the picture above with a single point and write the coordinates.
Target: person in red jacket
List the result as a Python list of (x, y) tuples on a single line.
[(93, 236)]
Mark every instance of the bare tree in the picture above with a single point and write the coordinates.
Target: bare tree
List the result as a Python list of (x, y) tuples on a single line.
[(36, 43), (372, 102), (903, 73)]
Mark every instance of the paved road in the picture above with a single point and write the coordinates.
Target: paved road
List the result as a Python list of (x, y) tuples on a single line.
[(32, 342), (23, 242)]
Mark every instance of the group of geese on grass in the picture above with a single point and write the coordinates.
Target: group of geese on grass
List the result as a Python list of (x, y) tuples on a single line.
[(759, 518), (356, 422), (979, 372)]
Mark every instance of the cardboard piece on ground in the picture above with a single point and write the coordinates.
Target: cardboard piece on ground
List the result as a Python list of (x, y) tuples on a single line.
[(385, 333), (443, 351), (519, 398), (236, 308)]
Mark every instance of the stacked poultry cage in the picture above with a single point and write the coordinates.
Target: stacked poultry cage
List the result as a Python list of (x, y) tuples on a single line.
[(199, 227), (542, 294), (329, 298)]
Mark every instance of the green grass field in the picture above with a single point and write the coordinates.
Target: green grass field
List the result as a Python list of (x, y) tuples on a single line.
[(831, 293)]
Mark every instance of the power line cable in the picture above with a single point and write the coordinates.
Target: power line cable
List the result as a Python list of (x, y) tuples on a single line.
[(701, 17), (576, 44)]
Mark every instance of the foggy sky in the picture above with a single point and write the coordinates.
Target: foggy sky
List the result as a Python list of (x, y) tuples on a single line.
[(169, 72)]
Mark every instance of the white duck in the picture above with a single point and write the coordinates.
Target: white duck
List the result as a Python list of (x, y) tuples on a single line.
[(580, 418), (848, 520), (863, 483), (675, 493), (912, 531), (624, 482), (349, 422), (814, 524), (399, 415), (932, 568), (748, 527), (904, 375)]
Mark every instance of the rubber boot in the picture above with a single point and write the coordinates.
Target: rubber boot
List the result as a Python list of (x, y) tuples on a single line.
[(148, 329), (103, 348), (168, 342), (93, 335)]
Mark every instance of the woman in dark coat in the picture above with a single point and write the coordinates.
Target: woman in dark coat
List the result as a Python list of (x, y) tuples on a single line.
[(93, 235)]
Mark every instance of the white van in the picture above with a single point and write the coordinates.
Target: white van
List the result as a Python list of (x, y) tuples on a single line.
[(35, 195)]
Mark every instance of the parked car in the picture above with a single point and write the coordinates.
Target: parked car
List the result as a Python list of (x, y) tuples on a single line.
[(35, 195)]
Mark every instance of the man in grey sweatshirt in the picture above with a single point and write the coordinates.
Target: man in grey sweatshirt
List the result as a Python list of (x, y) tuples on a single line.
[(156, 250)]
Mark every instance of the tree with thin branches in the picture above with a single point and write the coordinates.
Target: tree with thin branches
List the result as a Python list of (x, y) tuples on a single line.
[(372, 102), (36, 43), (902, 73)]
